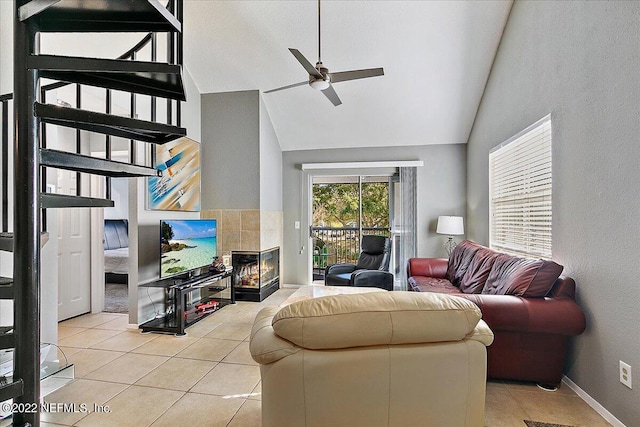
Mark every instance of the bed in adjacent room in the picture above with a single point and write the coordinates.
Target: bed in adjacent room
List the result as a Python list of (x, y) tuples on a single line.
[(116, 250)]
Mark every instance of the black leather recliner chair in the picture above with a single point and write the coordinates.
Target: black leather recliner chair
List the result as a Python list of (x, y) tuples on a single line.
[(371, 270)]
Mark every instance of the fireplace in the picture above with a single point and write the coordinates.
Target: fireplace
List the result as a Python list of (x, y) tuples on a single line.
[(256, 274)]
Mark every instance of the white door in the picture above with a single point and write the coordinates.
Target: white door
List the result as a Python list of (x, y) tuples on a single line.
[(74, 254)]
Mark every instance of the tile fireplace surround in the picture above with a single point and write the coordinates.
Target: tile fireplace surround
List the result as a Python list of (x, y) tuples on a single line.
[(246, 229)]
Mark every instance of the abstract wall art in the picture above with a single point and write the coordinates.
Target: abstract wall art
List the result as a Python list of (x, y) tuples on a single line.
[(178, 188)]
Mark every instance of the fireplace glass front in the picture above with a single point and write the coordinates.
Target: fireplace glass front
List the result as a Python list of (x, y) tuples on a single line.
[(256, 274)]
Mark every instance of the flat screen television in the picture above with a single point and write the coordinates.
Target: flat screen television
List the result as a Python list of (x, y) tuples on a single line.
[(186, 244)]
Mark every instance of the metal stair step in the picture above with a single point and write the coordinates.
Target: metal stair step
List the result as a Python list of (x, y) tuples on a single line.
[(6, 242), (78, 162), (7, 338), (124, 127), (11, 390), (148, 78), (48, 200), (99, 16), (6, 288)]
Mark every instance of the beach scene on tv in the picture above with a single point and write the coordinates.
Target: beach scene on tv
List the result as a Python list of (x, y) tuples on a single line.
[(186, 244)]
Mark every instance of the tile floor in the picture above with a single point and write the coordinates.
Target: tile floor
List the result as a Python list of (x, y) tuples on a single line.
[(208, 377)]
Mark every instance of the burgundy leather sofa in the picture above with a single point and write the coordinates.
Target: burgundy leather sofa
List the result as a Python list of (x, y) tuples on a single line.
[(530, 309)]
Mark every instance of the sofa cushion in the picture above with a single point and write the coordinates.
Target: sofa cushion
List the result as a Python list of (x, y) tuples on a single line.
[(511, 275), (376, 318), (478, 271), (432, 284), (431, 267), (460, 259)]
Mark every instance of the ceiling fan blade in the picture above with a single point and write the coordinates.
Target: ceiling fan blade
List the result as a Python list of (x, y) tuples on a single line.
[(332, 95), (342, 76), (288, 87), (306, 64)]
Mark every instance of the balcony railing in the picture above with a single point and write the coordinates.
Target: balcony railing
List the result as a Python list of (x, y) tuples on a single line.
[(333, 245)]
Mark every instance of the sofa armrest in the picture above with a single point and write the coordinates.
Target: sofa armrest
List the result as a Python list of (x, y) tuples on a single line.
[(340, 269), (372, 279), (265, 346), (564, 287), (537, 315), (482, 333), (430, 267)]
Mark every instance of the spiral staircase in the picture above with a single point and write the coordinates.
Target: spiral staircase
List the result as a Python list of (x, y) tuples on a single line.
[(31, 113)]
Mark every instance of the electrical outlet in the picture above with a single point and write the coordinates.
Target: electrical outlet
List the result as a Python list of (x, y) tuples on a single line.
[(625, 374), (296, 225)]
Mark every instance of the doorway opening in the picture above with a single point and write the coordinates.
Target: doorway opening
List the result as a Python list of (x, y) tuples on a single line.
[(116, 244), (116, 250), (345, 208)]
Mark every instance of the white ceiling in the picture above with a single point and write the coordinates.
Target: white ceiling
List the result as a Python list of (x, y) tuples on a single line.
[(436, 57)]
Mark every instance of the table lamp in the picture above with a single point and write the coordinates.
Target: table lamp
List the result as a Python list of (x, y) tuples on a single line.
[(451, 226)]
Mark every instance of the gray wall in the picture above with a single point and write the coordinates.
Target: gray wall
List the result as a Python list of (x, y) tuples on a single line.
[(144, 225), (120, 197), (579, 61), (191, 116), (441, 191), (230, 150), (270, 164)]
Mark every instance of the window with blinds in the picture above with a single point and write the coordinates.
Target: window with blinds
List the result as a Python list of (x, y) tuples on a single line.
[(520, 185)]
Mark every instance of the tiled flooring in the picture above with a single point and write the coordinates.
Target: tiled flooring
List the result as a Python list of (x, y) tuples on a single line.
[(208, 377)]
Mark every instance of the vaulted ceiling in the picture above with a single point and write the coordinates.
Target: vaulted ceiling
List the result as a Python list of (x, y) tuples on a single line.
[(436, 57)]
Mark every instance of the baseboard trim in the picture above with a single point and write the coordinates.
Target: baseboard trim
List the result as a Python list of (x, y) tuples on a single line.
[(290, 285), (608, 416)]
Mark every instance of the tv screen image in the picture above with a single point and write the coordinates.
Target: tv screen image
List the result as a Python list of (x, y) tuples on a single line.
[(186, 244)]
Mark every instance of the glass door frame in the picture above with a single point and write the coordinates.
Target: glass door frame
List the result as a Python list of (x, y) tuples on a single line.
[(361, 179)]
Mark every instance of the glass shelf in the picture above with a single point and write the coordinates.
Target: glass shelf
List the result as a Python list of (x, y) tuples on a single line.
[(189, 299), (54, 374)]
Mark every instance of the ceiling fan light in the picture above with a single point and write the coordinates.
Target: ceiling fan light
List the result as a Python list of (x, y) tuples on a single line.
[(319, 84)]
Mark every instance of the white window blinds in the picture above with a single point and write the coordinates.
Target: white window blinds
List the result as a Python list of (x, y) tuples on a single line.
[(520, 184)]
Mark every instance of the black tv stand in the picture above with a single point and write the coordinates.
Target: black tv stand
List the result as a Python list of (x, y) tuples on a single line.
[(185, 307)]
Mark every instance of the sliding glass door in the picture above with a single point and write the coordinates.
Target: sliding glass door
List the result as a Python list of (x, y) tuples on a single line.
[(344, 209)]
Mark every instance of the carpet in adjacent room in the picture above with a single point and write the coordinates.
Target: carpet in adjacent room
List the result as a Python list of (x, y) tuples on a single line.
[(116, 298)]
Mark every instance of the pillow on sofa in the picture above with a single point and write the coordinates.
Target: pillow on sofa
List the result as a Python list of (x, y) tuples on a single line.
[(531, 278), (478, 271), (459, 261)]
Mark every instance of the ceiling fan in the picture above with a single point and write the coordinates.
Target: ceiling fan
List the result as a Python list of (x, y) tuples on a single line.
[(321, 79)]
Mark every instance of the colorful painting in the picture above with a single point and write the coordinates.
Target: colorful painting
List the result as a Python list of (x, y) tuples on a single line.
[(178, 189)]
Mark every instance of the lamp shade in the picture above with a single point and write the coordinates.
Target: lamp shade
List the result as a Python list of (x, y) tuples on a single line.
[(450, 225)]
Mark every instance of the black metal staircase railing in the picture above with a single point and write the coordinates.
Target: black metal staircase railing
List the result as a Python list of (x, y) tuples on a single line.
[(31, 154), (146, 78)]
